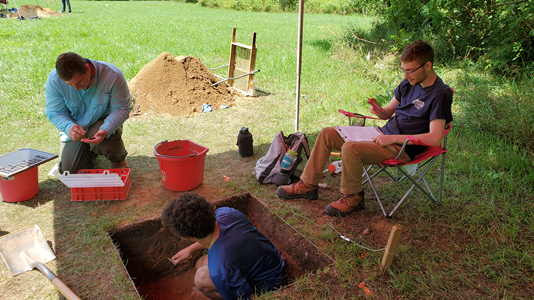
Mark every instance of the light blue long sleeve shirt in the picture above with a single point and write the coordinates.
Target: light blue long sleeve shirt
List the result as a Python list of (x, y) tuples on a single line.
[(108, 97)]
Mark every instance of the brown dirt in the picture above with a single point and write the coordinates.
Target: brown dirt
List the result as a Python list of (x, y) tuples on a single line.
[(177, 87), (145, 247), (32, 11)]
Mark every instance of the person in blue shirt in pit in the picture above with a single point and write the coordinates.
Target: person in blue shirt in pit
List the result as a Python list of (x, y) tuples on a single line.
[(88, 101), (239, 260)]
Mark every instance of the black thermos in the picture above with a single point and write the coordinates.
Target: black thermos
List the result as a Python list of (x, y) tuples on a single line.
[(244, 141)]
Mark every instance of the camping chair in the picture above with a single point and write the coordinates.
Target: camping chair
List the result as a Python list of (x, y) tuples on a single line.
[(420, 164)]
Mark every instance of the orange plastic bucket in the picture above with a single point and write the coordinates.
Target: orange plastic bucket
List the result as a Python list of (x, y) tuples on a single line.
[(21, 187), (181, 164)]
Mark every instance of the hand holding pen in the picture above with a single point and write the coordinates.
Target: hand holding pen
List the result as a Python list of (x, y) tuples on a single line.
[(373, 102)]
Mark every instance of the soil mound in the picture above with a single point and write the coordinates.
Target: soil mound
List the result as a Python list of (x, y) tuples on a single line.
[(34, 11), (177, 86)]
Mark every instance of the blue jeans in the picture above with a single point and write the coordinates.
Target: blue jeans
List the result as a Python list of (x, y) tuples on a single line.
[(68, 2)]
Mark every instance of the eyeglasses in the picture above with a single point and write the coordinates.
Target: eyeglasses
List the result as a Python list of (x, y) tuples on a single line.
[(410, 73)]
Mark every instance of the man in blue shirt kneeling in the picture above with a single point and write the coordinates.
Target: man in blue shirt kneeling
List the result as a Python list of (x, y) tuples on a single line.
[(240, 261), (88, 101)]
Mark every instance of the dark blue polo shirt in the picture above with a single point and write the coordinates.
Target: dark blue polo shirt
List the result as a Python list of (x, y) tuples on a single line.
[(242, 259), (418, 106)]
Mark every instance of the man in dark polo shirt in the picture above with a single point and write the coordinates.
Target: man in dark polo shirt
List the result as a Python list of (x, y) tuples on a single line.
[(420, 109)]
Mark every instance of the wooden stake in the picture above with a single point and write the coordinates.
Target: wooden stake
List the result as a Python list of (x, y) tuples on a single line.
[(391, 247), (252, 65)]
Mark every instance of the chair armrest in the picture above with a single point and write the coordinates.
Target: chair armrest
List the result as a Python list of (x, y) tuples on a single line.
[(403, 148), (356, 115), (415, 141)]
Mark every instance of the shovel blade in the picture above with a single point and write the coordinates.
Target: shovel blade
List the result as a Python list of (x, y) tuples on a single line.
[(22, 249)]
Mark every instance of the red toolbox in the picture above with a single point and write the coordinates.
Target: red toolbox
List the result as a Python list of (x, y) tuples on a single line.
[(98, 193)]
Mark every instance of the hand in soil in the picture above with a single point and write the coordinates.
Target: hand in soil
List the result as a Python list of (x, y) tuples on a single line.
[(182, 256), (186, 253)]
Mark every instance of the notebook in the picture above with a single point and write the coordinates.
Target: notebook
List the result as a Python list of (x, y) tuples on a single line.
[(358, 133)]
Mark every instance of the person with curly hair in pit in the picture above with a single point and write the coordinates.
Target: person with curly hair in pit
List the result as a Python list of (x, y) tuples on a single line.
[(240, 261)]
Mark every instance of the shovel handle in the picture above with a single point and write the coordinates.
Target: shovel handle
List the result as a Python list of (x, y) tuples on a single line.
[(64, 289)]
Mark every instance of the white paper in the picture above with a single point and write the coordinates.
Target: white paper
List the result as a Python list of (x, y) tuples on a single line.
[(357, 133)]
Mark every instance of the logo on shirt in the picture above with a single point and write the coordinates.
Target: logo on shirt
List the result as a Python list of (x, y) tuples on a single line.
[(418, 103)]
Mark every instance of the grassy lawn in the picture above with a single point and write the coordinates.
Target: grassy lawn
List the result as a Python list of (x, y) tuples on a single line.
[(478, 244)]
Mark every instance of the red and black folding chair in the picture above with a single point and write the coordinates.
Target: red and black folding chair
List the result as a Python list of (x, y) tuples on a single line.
[(421, 164)]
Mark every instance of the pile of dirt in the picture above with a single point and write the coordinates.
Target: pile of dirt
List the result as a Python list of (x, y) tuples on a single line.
[(29, 11), (177, 87)]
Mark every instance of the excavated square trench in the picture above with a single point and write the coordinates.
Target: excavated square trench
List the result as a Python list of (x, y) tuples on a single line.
[(145, 246)]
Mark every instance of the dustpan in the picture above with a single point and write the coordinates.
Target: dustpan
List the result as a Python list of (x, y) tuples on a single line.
[(27, 249)]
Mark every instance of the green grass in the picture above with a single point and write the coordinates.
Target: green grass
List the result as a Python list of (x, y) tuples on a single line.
[(477, 244)]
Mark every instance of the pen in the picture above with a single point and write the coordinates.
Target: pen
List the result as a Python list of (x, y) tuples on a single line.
[(373, 103)]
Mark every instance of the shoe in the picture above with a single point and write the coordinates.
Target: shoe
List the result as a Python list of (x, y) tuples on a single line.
[(119, 164), (299, 190), (346, 205), (62, 12)]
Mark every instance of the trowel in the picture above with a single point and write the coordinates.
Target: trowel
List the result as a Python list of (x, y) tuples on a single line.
[(27, 249)]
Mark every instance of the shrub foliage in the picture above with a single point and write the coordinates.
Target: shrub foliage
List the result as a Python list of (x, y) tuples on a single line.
[(499, 34)]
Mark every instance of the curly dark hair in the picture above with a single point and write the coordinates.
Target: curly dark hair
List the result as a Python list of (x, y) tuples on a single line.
[(190, 216), (419, 51), (68, 63)]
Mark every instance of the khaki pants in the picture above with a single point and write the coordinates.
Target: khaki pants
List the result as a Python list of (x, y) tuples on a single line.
[(354, 156), (74, 156)]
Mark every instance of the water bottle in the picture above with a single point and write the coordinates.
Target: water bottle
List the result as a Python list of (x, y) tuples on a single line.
[(244, 142), (289, 160), (335, 167)]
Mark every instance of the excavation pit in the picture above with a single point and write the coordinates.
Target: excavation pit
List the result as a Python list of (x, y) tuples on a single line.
[(145, 246)]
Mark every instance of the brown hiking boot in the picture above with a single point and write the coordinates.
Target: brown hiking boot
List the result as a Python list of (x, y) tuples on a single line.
[(299, 190), (119, 164), (346, 205)]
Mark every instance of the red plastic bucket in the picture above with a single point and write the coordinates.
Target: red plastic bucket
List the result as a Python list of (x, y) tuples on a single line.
[(21, 187), (181, 164)]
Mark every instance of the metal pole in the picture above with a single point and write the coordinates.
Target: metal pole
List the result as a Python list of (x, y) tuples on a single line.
[(299, 63)]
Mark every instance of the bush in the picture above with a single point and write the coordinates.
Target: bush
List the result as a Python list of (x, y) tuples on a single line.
[(341, 7), (288, 4), (498, 34)]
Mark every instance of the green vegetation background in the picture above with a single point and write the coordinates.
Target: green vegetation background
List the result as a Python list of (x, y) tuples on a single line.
[(480, 241)]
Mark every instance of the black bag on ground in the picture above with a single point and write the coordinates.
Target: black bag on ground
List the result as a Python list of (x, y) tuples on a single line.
[(272, 168)]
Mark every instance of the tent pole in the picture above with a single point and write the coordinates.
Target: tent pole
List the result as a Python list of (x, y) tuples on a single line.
[(299, 63)]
